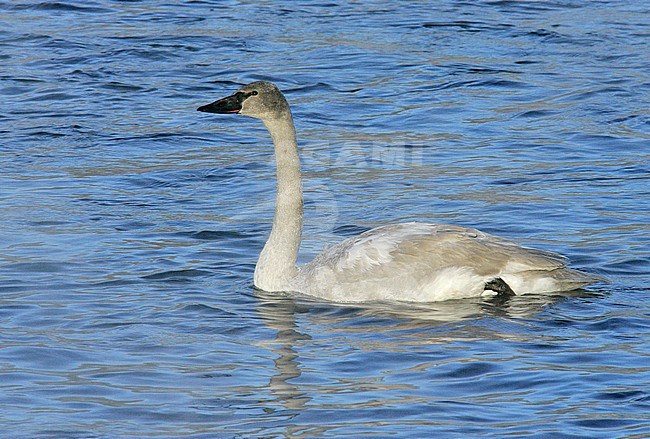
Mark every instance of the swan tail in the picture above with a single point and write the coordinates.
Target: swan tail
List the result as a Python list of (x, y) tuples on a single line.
[(551, 281), (571, 279)]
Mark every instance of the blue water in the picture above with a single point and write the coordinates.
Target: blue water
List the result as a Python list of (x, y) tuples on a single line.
[(130, 223)]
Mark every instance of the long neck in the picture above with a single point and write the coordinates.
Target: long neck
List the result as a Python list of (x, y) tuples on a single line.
[(276, 265)]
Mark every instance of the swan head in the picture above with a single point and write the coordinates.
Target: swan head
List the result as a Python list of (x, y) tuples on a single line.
[(261, 100)]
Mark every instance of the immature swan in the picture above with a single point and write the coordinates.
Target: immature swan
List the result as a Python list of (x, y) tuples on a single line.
[(416, 262)]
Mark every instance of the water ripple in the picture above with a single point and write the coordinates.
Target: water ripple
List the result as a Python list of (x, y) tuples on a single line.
[(131, 223)]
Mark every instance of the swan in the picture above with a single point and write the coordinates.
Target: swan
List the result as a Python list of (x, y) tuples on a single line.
[(415, 262)]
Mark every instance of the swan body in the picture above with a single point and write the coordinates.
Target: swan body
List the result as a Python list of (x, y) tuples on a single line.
[(417, 262)]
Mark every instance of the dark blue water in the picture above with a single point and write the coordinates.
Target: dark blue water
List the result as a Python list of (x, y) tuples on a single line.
[(130, 224)]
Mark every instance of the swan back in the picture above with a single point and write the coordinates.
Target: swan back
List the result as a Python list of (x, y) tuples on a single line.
[(428, 262)]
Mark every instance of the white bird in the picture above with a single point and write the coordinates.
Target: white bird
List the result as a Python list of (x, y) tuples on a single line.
[(417, 262)]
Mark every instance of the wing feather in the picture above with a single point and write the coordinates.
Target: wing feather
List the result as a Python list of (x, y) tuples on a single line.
[(436, 246), (401, 260)]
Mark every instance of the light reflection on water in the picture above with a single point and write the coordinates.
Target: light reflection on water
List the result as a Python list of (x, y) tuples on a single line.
[(130, 224)]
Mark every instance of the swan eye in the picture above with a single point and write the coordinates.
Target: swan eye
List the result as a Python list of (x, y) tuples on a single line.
[(254, 93)]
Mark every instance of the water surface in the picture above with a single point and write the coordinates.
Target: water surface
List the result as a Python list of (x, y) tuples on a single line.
[(130, 224)]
